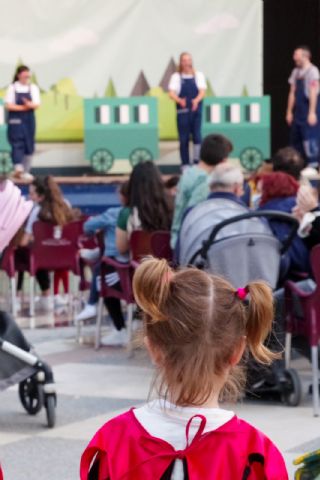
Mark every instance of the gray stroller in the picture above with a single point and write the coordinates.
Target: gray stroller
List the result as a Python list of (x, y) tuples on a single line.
[(19, 365), (240, 246)]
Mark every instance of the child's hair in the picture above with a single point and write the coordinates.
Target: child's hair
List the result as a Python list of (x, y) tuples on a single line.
[(197, 321), (19, 70), (215, 148)]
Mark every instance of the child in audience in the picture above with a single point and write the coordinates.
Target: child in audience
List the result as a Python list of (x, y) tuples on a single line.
[(197, 328), (193, 186), (106, 223)]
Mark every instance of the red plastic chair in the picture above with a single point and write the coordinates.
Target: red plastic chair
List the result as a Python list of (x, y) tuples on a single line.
[(307, 324), (160, 245), (125, 272), (53, 248), (140, 245)]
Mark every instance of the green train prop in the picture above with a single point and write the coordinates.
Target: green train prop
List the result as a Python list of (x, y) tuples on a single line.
[(245, 121), (120, 132), (5, 149)]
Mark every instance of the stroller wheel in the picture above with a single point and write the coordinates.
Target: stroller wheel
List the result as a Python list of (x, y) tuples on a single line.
[(31, 395), (50, 403), (291, 390)]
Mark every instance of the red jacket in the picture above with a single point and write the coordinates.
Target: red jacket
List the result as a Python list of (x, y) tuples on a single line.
[(235, 451)]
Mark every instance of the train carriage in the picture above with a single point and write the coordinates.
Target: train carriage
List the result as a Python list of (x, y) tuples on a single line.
[(246, 121), (120, 132)]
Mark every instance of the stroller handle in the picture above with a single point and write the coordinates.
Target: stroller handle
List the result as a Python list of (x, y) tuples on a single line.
[(269, 214)]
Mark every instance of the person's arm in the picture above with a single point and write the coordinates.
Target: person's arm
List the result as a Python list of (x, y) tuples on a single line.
[(26, 239), (197, 99), (98, 222), (122, 241), (180, 101), (290, 105), (313, 99), (30, 105)]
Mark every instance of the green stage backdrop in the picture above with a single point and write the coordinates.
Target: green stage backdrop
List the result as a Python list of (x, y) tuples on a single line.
[(93, 48)]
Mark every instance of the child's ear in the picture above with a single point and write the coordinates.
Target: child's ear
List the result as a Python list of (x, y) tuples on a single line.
[(238, 353), (154, 352)]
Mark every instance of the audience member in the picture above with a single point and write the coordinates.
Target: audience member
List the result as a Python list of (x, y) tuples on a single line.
[(106, 223), (149, 207), (197, 327), (288, 160), (49, 206), (193, 186), (279, 191)]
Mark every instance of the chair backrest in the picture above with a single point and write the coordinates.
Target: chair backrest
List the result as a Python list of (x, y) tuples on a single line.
[(54, 248), (140, 245), (315, 264), (160, 245)]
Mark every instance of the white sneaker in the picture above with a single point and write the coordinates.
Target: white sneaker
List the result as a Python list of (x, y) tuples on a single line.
[(60, 300), (89, 311), (90, 254), (117, 338), (45, 303)]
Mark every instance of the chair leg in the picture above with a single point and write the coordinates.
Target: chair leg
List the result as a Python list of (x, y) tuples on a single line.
[(98, 324), (287, 351), (315, 380), (129, 328), (13, 288), (32, 303)]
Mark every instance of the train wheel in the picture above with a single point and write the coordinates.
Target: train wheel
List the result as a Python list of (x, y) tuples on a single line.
[(251, 158), (140, 155), (102, 160), (5, 162)]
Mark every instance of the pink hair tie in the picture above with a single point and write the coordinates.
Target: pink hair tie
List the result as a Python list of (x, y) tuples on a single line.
[(242, 293)]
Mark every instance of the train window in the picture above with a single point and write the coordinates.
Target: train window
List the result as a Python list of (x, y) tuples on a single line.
[(141, 114), (213, 113), (255, 113), (102, 114), (232, 113), (252, 113), (121, 114), (1, 115)]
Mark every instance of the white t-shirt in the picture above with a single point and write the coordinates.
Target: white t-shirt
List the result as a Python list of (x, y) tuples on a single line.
[(175, 81), (33, 217), (164, 420), (20, 88), (310, 76)]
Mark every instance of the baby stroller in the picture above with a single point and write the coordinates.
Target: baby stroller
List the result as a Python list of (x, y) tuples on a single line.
[(250, 252), (19, 365)]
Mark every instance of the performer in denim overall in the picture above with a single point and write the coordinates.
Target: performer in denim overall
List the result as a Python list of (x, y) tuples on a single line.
[(21, 101), (187, 89), (303, 113)]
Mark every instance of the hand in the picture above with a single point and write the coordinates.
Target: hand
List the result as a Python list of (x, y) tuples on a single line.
[(312, 119), (289, 118), (195, 103), (297, 213), (27, 103), (182, 102), (307, 199)]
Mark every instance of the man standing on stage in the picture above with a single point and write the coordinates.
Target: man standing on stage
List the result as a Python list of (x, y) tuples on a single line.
[(303, 111)]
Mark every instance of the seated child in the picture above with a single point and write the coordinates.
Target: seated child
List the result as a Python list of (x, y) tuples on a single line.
[(197, 327)]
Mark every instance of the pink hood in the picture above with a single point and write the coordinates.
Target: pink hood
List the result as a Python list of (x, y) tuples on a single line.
[(14, 210)]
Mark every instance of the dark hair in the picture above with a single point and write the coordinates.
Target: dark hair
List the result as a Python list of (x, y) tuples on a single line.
[(171, 182), (277, 185), (20, 69), (147, 194), (54, 209), (215, 148), (197, 322), (288, 160)]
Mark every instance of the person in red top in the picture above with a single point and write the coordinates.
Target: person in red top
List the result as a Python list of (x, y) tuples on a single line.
[(197, 328)]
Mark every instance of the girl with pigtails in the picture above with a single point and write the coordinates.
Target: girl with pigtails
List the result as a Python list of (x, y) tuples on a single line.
[(197, 328)]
